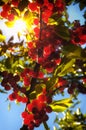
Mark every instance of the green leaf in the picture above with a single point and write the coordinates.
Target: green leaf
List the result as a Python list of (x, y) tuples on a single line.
[(38, 89), (3, 91), (63, 32), (52, 21), (32, 95), (2, 38), (82, 6), (72, 51), (61, 105), (8, 63), (54, 128), (64, 68)]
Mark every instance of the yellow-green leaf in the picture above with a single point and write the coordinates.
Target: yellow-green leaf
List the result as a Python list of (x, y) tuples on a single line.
[(9, 24), (52, 21), (2, 38), (9, 107), (66, 68), (6, 1), (61, 105)]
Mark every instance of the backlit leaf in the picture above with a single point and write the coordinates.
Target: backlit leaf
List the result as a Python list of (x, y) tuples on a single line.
[(9, 107), (2, 38), (61, 105), (9, 24), (5, 1), (66, 68)]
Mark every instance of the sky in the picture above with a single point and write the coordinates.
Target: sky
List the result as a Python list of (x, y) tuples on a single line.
[(11, 120)]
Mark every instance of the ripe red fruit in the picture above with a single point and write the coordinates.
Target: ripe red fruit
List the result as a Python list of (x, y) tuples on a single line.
[(15, 3), (17, 78), (58, 61), (4, 73), (37, 122), (7, 87), (36, 31), (11, 17), (24, 99), (36, 21), (19, 98), (12, 96), (42, 98), (4, 14), (30, 45), (70, 90), (26, 81), (48, 109), (61, 82), (33, 6), (6, 7), (30, 107), (47, 51), (49, 99), (24, 114), (45, 118), (40, 75), (84, 80)]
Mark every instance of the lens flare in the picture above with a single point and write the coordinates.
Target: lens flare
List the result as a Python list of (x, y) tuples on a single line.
[(19, 26)]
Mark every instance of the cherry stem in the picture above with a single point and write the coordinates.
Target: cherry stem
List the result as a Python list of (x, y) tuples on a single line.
[(46, 126)]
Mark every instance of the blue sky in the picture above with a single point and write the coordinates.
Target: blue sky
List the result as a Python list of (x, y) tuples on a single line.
[(11, 120)]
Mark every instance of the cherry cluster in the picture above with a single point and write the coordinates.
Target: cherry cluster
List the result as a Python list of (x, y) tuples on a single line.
[(28, 74), (46, 51), (78, 35), (15, 96), (61, 84), (7, 12), (36, 111), (47, 7), (9, 82)]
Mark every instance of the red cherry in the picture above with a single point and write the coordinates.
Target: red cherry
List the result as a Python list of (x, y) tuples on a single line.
[(33, 6), (4, 14), (26, 81), (7, 87), (48, 109), (15, 3), (42, 98), (24, 100), (19, 98), (11, 17), (45, 118), (30, 45), (36, 21), (49, 99), (13, 96), (6, 7), (24, 114), (30, 107)]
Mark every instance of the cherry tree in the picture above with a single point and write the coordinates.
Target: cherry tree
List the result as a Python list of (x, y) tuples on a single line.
[(47, 62)]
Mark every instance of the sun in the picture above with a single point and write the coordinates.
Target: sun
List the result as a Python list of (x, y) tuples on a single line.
[(19, 26)]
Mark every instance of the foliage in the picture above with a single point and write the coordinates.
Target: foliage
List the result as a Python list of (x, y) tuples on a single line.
[(72, 120), (49, 60)]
